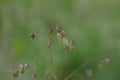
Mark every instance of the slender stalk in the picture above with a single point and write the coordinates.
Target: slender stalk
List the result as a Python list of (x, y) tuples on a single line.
[(76, 70)]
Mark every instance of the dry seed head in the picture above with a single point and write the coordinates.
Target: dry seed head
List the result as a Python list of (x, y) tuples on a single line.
[(27, 65), (62, 34), (105, 61), (58, 29), (66, 48), (49, 43), (72, 45), (32, 36), (34, 76), (59, 36), (89, 72), (50, 31), (14, 72), (21, 68), (66, 41)]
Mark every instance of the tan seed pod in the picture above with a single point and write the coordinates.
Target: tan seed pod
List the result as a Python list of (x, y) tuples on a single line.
[(59, 36), (14, 72), (66, 41), (89, 72), (34, 76), (105, 61), (62, 34), (27, 65), (66, 48), (32, 36), (58, 29), (49, 43), (72, 45), (50, 30), (21, 68)]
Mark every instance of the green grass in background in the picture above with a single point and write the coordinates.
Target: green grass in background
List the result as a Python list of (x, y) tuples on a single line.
[(93, 25)]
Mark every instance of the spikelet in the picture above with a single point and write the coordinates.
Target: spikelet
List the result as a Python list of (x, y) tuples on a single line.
[(89, 72)]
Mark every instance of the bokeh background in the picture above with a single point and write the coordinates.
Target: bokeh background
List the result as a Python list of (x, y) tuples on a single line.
[(94, 25)]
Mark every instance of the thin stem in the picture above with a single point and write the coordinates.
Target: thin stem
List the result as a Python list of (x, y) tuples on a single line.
[(76, 70), (55, 77)]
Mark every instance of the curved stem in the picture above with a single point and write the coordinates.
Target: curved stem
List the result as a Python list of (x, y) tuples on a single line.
[(75, 71)]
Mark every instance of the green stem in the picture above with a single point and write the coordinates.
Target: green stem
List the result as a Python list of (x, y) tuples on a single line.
[(75, 71)]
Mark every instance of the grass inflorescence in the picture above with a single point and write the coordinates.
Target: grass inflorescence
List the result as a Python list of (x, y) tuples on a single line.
[(68, 45)]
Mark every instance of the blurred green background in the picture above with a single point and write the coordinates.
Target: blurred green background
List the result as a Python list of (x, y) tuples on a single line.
[(94, 25)]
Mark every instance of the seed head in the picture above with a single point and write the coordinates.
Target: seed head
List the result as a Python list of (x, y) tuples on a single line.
[(50, 30), (89, 72), (66, 48), (61, 35), (14, 72), (32, 36), (21, 68), (26, 65), (34, 76), (105, 61), (58, 29), (72, 45), (66, 41), (49, 43)]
